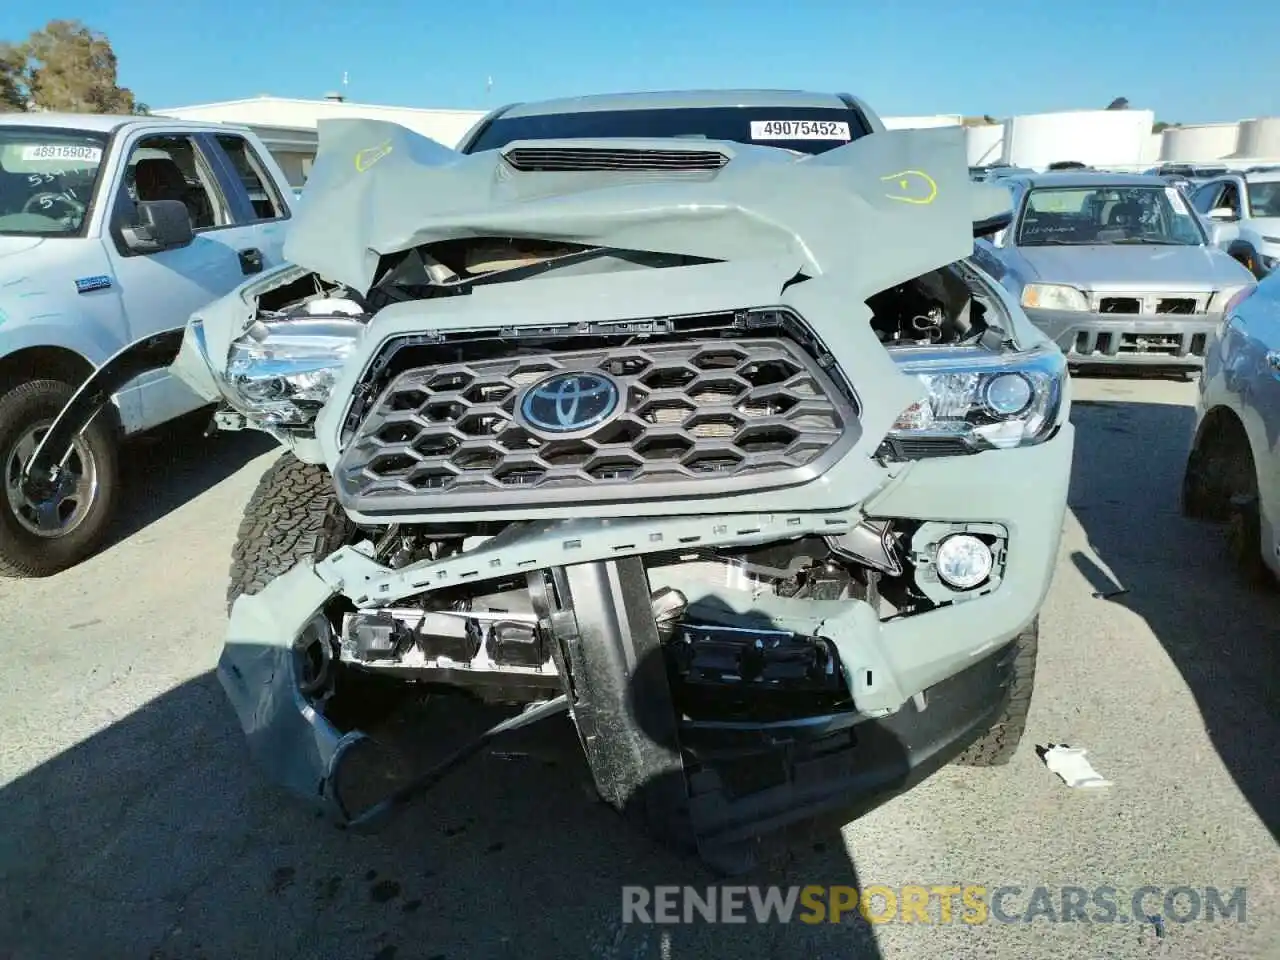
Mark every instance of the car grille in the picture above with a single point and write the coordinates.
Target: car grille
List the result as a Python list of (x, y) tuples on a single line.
[(1096, 344), (548, 159), (1148, 303), (695, 417)]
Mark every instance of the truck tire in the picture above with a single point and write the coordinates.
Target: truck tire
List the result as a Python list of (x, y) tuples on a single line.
[(31, 546), (998, 745), (293, 515)]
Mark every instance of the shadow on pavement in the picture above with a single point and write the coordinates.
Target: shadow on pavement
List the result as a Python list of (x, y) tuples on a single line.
[(157, 839), (1225, 637), (173, 464)]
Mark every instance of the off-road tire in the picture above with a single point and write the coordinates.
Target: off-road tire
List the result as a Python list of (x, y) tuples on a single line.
[(293, 515), (22, 553), (998, 745)]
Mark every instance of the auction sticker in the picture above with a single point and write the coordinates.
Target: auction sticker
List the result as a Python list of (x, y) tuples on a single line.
[(62, 151), (799, 130)]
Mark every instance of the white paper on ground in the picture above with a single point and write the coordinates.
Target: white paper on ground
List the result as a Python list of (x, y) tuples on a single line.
[(1070, 764)]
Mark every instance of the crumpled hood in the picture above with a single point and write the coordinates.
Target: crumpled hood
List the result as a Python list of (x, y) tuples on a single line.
[(1134, 265), (890, 206)]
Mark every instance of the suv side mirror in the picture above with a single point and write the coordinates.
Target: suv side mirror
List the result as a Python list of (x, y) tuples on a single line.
[(161, 225), (1222, 213)]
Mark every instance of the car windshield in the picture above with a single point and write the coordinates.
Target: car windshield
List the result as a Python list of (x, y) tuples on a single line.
[(1108, 214), (800, 129), (1264, 199), (47, 177)]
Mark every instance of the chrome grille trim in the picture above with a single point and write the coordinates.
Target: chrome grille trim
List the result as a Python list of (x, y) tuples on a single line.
[(701, 417)]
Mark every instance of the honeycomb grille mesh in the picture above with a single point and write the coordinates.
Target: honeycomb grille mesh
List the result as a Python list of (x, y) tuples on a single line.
[(692, 412)]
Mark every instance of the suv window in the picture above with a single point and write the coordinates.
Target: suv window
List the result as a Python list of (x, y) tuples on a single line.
[(174, 168), (267, 204), (801, 129)]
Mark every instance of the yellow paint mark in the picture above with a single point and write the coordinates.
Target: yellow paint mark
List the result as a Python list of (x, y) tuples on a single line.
[(917, 182), (367, 158)]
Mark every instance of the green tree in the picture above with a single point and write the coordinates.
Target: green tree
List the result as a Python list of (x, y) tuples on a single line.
[(13, 97), (65, 67)]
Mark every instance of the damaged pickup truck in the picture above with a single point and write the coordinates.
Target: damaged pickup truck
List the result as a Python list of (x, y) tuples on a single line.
[(726, 449)]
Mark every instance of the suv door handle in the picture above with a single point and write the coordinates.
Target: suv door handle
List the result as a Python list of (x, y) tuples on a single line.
[(251, 260)]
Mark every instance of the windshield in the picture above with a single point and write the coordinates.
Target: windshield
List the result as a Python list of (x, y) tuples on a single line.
[(46, 179), (1264, 199), (1108, 215), (801, 129)]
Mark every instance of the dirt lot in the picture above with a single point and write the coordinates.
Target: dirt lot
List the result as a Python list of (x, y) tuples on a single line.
[(133, 826)]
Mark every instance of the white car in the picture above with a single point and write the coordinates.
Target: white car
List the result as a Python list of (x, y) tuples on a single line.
[(112, 229), (1247, 208)]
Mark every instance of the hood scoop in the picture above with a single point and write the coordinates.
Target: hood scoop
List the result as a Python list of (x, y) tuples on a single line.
[(585, 159)]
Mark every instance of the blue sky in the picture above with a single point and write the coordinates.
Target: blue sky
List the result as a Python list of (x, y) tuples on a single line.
[(930, 56)]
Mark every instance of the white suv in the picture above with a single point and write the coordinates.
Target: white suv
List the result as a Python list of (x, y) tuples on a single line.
[(1246, 208)]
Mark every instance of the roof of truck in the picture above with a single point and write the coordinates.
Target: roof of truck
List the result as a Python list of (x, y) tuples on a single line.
[(674, 99), (96, 122)]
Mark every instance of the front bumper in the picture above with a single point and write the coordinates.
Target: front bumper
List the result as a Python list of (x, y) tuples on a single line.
[(955, 655), (1109, 339)]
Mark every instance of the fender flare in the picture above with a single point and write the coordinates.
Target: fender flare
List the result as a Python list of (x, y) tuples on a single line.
[(150, 353)]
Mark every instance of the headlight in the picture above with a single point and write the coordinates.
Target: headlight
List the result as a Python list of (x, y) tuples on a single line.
[(1228, 298), (1053, 296), (281, 372), (983, 399)]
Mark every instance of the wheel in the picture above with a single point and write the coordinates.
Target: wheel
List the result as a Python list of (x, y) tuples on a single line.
[(1250, 261), (1244, 540), (41, 538), (293, 515), (1000, 742)]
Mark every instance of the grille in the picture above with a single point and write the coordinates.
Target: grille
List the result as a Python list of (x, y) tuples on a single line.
[(741, 414), (1090, 343), (1149, 303), (547, 159)]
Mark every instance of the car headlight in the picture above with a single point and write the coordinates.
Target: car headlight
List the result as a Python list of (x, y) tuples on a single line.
[(1053, 296), (986, 400), (281, 372)]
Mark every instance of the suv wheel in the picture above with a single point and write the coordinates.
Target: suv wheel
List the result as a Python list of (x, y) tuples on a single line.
[(998, 745), (41, 538)]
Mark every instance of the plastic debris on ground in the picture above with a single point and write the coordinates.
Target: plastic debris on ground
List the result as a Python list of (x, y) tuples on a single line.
[(1070, 764)]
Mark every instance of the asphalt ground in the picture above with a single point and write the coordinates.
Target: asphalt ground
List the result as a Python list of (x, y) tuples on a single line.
[(132, 824)]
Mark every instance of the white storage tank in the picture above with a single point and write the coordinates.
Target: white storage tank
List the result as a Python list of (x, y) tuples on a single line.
[(1259, 139), (1198, 142), (984, 143), (1100, 138), (1151, 149)]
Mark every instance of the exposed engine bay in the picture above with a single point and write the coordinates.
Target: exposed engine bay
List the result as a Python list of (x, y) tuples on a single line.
[(939, 307)]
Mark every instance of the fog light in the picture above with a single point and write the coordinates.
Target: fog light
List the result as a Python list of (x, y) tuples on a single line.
[(963, 561)]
